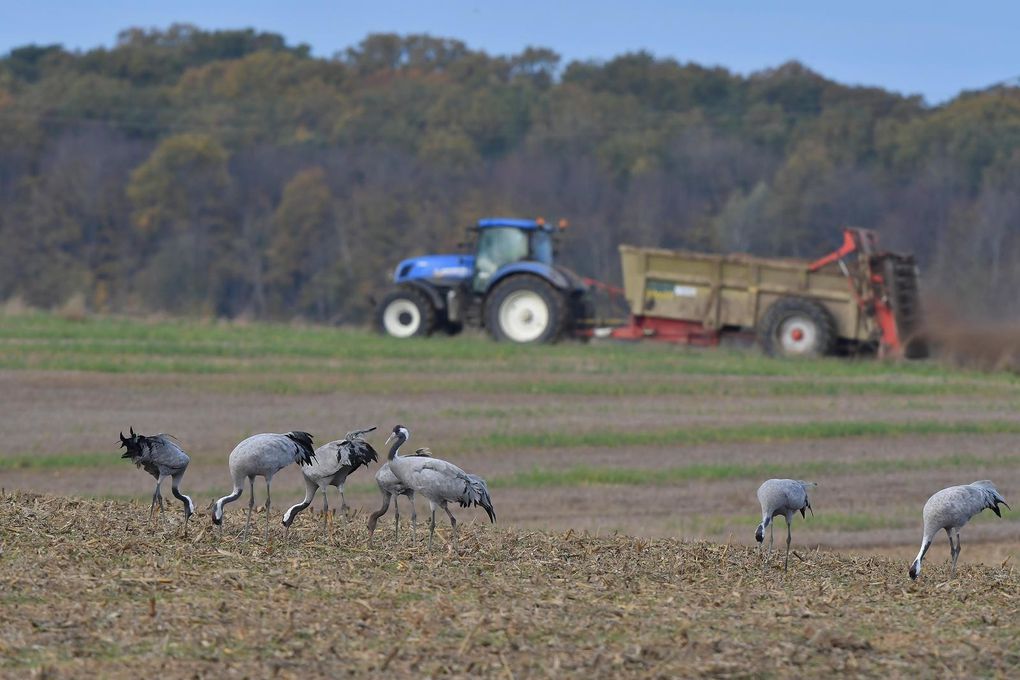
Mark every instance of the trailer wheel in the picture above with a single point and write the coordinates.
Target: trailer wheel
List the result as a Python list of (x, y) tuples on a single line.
[(796, 327), (525, 309), (405, 313)]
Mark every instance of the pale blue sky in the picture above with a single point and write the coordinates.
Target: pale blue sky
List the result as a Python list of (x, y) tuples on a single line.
[(931, 48)]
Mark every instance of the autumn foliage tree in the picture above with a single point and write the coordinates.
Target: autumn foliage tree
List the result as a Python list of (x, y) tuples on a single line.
[(223, 173)]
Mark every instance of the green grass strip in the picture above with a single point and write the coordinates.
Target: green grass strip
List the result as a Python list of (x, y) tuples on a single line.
[(584, 475), (83, 459), (677, 437), (43, 341), (754, 432)]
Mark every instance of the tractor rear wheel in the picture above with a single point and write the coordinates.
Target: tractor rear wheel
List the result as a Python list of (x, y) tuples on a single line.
[(405, 313), (797, 327), (525, 309)]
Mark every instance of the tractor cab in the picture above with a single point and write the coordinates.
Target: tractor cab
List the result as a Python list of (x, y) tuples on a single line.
[(498, 243), (503, 242)]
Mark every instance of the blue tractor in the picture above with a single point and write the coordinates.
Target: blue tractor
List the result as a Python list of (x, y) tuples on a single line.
[(510, 286)]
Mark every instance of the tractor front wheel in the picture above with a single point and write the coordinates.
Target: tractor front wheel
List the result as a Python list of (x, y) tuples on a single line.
[(525, 309), (405, 313)]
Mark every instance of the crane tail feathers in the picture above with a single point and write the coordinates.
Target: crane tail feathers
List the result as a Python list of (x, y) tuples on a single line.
[(304, 448), (476, 492), (359, 451)]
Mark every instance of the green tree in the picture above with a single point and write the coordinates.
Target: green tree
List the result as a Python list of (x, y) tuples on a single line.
[(306, 274), (181, 199)]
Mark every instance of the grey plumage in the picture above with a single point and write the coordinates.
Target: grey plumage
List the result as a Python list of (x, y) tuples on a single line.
[(950, 509), (334, 462), (439, 481), (262, 455), (392, 488), (783, 497), (161, 457)]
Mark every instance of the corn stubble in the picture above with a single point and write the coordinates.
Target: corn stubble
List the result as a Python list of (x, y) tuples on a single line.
[(90, 588)]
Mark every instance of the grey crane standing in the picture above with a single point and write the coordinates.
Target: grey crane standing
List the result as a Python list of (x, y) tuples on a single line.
[(391, 488), (952, 508), (262, 455), (438, 481), (334, 462), (161, 457), (782, 497)]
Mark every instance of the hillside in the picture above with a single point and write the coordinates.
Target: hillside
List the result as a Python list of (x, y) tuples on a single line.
[(227, 173)]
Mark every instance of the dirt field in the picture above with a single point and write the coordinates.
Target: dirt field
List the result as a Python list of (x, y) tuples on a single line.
[(59, 432), (637, 452), (88, 588)]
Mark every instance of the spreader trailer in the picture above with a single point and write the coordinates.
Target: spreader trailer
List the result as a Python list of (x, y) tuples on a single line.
[(855, 298)]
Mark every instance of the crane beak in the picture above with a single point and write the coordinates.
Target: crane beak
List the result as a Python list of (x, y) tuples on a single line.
[(389, 439)]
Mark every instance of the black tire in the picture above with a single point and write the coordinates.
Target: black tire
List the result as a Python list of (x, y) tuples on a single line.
[(452, 327), (405, 313), (534, 299), (797, 327)]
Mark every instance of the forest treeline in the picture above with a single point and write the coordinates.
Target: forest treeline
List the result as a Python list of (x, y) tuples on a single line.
[(229, 173)]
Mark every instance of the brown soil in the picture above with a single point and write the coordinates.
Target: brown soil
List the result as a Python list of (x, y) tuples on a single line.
[(89, 589), (48, 413)]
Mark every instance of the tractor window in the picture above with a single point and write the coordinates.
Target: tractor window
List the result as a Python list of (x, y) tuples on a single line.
[(542, 247), (498, 246)]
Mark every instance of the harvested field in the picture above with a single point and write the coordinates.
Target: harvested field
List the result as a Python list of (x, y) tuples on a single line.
[(608, 465), (639, 439), (115, 598)]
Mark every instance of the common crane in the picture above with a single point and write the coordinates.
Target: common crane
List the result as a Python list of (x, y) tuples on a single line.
[(262, 455), (161, 457), (782, 497), (438, 481), (950, 509), (334, 462), (391, 488)]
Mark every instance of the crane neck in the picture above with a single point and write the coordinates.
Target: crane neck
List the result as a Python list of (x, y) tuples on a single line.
[(397, 443)]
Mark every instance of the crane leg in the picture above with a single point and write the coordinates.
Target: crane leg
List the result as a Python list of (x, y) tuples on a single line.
[(325, 514), (789, 537), (396, 523), (954, 551), (344, 508), (453, 526), (152, 506), (269, 503), (432, 525), (414, 519), (251, 506), (772, 537)]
